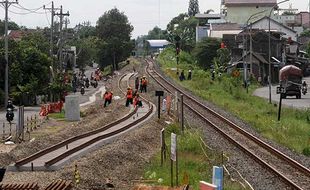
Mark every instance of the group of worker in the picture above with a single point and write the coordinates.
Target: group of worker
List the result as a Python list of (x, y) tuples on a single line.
[(132, 97), (141, 84)]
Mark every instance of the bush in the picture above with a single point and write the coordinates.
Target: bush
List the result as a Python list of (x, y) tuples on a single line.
[(306, 151)]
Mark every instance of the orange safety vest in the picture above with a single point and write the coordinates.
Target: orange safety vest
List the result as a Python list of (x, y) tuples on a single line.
[(129, 94), (109, 96), (144, 82), (105, 96), (136, 101)]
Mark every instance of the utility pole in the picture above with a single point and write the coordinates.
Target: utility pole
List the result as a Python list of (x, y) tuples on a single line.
[(61, 16), (52, 9), (6, 5)]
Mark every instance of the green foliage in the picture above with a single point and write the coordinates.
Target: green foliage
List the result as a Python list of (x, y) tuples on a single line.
[(29, 66), (114, 31), (185, 27), (221, 61), (87, 50), (156, 33), (193, 7), (193, 160), (305, 33), (308, 48), (11, 26), (306, 151), (86, 30), (205, 51)]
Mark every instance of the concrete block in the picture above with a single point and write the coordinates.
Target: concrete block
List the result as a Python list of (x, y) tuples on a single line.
[(72, 108)]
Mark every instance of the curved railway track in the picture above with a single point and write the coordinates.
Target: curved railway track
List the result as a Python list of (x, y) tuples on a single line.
[(290, 171), (69, 149)]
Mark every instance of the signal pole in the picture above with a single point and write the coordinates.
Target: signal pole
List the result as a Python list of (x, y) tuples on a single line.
[(6, 5), (61, 16)]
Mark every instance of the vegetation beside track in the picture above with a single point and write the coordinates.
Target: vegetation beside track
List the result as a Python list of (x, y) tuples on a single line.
[(194, 160), (293, 131)]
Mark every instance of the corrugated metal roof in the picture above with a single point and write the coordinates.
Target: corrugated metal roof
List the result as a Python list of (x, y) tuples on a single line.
[(225, 26), (158, 43), (250, 2)]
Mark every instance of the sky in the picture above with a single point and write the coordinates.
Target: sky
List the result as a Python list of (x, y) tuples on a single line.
[(142, 14)]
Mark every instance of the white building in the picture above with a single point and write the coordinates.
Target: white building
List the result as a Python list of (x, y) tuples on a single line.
[(239, 11), (263, 24)]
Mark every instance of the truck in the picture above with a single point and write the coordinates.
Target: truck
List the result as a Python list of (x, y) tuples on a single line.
[(290, 78)]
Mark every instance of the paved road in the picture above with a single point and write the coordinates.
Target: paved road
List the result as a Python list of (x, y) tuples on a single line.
[(290, 101)]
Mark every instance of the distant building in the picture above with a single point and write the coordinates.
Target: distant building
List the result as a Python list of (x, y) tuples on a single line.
[(239, 11), (201, 32), (217, 30), (275, 26), (303, 18), (155, 46), (17, 35)]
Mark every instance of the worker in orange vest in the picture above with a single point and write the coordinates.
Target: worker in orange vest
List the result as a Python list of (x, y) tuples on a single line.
[(137, 101), (129, 96), (144, 84), (108, 98)]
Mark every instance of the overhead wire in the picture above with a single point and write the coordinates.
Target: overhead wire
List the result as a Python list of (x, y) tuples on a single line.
[(46, 16)]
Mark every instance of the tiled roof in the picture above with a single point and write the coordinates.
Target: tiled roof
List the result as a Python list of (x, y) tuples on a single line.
[(250, 2)]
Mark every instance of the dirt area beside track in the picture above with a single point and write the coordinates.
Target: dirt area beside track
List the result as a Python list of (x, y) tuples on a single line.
[(119, 163)]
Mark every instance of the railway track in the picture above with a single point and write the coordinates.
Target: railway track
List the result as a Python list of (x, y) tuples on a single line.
[(290, 171), (54, 157)]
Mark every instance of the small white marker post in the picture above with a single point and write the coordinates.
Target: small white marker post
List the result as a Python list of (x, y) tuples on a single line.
[(173, 157)]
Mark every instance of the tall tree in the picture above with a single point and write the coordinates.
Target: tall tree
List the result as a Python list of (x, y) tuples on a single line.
[(114, 30), (193, 7), (185, 27), (206, 50)]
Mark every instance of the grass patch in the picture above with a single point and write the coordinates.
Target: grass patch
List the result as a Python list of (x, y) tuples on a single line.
[(293, 131), (191, 160), (57, 116)]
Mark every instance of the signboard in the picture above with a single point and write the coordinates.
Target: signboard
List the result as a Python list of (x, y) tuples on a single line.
[(280, 90), (173, 147), (159, 93), (218, 177)]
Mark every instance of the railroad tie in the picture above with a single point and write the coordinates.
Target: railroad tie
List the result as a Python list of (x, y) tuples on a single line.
[(28, 186), (59, 185)]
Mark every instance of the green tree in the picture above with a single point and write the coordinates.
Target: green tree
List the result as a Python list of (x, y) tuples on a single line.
[(114, 31), (222, 60), (185, 27), (86, 30), (87, 51), (305, 33), (11, 26), (206, 50), (193, 7), (156, 33)]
